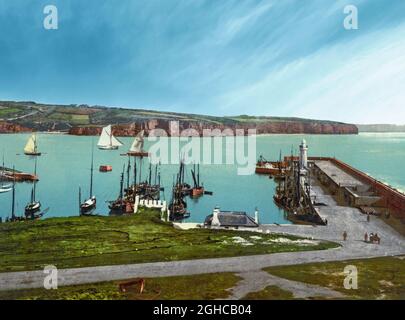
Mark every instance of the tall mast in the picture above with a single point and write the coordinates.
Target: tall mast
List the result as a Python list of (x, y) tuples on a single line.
[(13, 200), (150, 173), (2, 170), (198, 174), (35, 181), (80, 199), (134, 171), (128, 171), (35, 142), (122, 183), (91, 171)]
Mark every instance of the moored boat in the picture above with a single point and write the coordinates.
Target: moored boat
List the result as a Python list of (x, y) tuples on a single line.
[(105, 168), (34, 206), (90, 204)]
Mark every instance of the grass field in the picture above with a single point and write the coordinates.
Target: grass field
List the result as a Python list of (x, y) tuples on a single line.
[(92, 241), (5, 112), (378, 278), (270, 293), (197, 287), (69, 117)]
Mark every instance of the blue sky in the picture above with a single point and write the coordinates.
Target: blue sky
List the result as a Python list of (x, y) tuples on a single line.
[(228, 57)]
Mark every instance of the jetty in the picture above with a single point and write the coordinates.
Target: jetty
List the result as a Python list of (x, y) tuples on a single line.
[(349, 186)]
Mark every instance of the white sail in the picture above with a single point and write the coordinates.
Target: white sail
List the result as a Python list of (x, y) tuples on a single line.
[(107, 139), (115, 142), (137, 145), (31, 146)]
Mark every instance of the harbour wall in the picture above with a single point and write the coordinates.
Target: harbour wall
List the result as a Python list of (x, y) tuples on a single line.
[(391, 198)]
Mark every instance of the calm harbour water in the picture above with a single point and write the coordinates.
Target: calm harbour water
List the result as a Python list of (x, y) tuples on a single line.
[(65, 165)]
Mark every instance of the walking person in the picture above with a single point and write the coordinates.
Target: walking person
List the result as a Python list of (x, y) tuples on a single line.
[(368, 217), (344, 236), (366, 237)]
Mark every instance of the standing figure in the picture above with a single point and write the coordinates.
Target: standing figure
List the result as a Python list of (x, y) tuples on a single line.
[(344, 236), (366, 237)]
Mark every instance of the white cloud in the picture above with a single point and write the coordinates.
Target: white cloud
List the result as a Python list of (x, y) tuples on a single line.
[(361, 81)]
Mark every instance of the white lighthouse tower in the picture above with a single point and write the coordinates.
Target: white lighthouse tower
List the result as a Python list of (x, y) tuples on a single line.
[(303, 155)]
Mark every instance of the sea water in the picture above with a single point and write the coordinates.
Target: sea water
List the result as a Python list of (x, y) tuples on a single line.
[(65, 165)]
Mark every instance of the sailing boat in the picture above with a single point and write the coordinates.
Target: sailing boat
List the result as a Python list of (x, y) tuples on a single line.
[(31, 148), (90, 203), (119, 206), (107, 141), (34, 206), (136, 149), (197, 190), (4, 188)]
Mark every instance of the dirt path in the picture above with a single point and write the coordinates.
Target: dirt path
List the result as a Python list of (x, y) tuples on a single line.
[(259, 280)]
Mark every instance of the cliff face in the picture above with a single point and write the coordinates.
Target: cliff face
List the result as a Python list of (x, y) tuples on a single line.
[(268, 127), (6, 127)]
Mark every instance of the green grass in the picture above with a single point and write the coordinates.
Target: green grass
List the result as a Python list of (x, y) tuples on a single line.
[(69, 117), (378, 278), (92, 241), (198, 287), (9, 111), (270, 293)]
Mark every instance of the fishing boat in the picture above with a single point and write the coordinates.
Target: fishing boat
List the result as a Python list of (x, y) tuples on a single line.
[(90, 204), (107, 141), (198, 189), (33, 216), (120, 205), (136, 149), (4, 188), (31, 148), (178, 204), (272, 168), (34, 206)]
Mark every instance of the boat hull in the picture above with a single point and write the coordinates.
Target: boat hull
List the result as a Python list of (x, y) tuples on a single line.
[(197, 192), (108, 147), (33, 154), (88, 206), (105, 168), (137, 154), (32, 208)]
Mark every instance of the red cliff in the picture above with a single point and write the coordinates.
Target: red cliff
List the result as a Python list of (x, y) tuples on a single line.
[(268, 127), (6, 127)]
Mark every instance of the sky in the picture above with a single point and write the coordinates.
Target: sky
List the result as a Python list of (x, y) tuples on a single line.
[(228, 57)]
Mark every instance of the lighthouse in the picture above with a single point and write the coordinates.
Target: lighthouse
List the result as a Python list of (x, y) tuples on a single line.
[(303, 155)]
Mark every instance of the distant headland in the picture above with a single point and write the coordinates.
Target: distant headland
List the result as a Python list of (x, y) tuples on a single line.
[(88, 120)]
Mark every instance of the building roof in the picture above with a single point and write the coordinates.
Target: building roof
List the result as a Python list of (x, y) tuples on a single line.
[(233, 219)]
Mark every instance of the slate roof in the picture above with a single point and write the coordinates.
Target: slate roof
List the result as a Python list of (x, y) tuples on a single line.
[(233, 219)]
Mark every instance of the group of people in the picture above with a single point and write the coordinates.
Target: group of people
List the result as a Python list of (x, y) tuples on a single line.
[(373, 237)]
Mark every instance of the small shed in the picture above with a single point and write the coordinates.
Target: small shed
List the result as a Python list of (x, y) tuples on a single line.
[(231, 219)]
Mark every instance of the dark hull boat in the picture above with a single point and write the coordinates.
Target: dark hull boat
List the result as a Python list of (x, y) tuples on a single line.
[(121, 205), (178, 204), (88, 206), (34, 206), (33, 212)]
